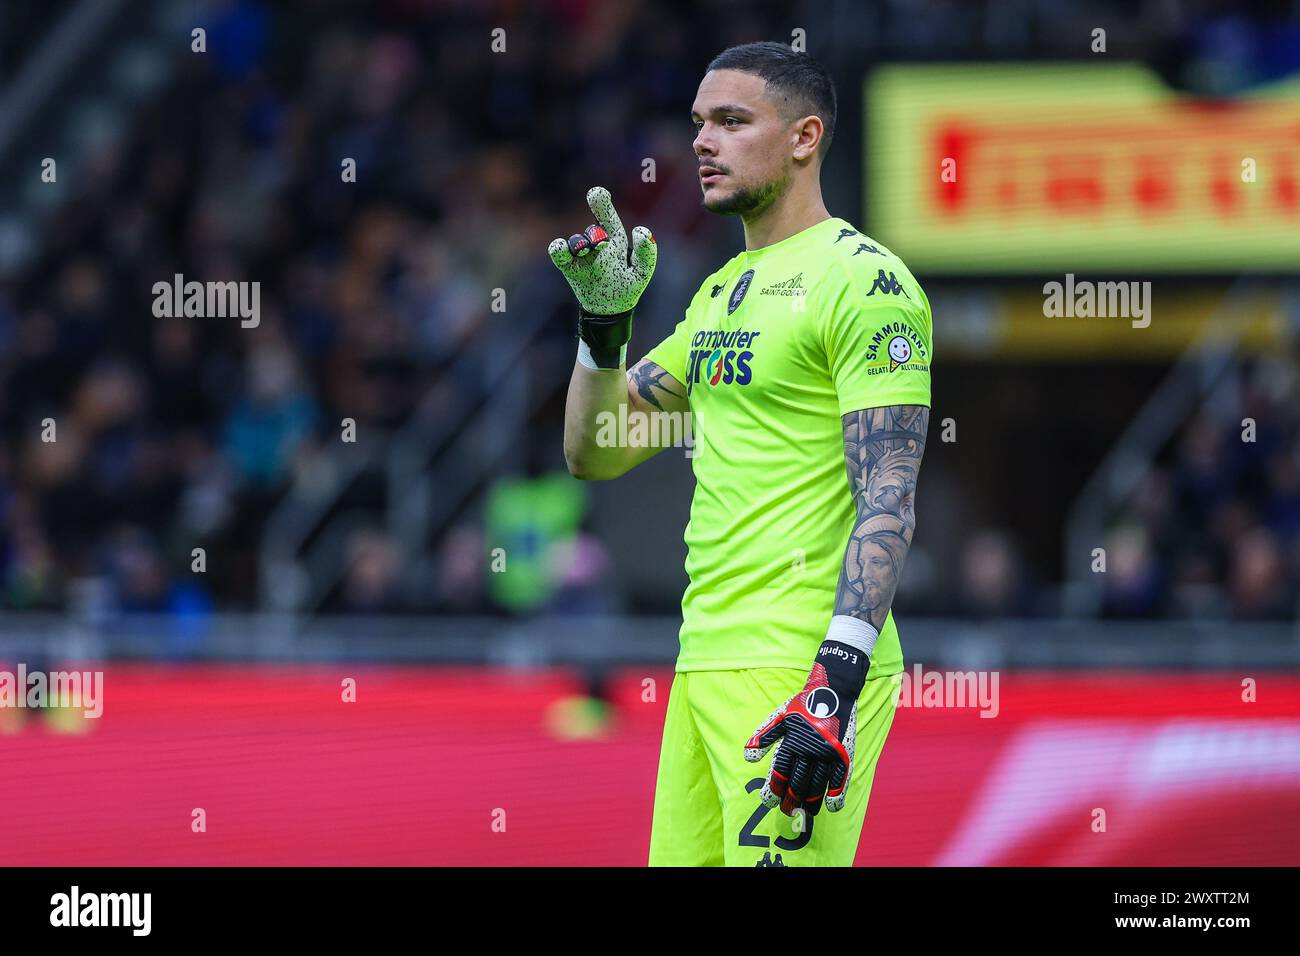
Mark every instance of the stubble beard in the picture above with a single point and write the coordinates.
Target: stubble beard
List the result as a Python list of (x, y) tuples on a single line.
[(747, 201)]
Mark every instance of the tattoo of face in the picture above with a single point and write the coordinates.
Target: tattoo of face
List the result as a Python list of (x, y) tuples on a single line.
[(882, 454), (647, 376)]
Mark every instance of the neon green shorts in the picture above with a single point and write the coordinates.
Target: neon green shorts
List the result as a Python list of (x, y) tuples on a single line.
[(707, 811)]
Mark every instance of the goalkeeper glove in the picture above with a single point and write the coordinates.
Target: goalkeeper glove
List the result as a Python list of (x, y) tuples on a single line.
[(817, 726), (607, 278)]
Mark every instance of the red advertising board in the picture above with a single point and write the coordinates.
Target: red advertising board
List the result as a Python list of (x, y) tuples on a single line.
[(434, 766)]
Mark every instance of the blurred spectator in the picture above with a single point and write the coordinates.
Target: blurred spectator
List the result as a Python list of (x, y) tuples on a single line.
[(531, 526), (371, 584), (1133, 582), (992, 583), (1282, 501), (1202, 481), (1258, 583), (462, 572), (271, 419), (142, 582), (580, 570)]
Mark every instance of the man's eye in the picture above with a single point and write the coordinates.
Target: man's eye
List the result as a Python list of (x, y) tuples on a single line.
[(731, 119)]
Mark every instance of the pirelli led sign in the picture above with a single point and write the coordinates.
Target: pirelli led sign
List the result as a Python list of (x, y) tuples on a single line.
[(1033, 168)]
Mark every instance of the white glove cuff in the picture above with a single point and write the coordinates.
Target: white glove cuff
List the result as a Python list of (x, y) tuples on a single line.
[(584, 357), (853, 632)]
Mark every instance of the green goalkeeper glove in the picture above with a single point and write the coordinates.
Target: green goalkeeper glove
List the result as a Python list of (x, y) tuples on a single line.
[(607, 278)]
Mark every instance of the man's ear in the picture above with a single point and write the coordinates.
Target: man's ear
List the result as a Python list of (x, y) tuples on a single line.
[(809, 133)]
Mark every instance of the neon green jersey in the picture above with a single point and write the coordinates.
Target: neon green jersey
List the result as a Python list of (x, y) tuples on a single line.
[(774, 349)]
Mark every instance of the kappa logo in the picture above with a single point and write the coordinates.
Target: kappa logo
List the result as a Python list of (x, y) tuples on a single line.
[(822, 702), (888, 284), (864, 247), (738, 293), (844, 234), (716, 289), (791, 286)]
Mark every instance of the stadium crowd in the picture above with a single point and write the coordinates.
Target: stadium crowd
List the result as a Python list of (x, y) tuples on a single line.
[(178, 433)]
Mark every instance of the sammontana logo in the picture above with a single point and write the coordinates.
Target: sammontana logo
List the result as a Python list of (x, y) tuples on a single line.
[(896, 345), (792, 286)]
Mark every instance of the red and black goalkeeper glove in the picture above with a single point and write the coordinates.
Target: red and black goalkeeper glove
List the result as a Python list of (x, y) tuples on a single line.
[(816, 729)]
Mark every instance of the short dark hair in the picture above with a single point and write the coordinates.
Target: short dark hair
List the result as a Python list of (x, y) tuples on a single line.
[(802, 84)]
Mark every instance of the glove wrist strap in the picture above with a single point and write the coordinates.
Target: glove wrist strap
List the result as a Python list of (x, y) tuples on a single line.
[(606, 338), (846, 653)]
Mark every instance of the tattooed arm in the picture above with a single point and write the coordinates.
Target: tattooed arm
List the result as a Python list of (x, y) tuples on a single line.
[(591, 417), (882, 451), (817, 727)]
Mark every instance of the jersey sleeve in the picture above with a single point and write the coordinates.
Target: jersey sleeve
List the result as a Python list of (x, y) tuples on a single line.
[(670, 354), (878, 341)]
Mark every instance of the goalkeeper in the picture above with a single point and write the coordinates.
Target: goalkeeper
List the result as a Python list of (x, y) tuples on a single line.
[(805, 355)]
